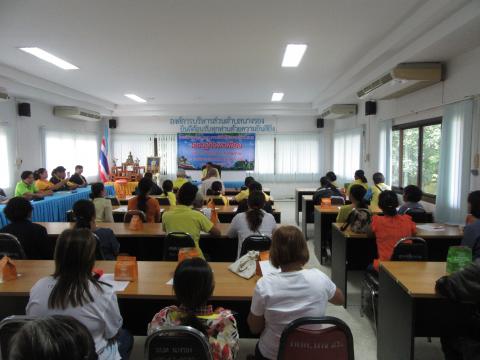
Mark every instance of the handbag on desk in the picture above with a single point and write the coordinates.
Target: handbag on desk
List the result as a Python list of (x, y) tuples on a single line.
[(246, 266)]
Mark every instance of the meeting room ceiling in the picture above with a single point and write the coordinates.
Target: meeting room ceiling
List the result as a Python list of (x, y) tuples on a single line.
[(202, 51)]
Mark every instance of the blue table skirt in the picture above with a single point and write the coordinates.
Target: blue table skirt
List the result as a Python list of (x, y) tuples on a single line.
[(54, 208)]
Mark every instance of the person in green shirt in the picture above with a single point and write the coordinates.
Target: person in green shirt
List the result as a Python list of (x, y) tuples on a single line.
[(357, 194), (180, 180), (360, 179), (378, 187), (183, 218), (27, 189), (168, 192)]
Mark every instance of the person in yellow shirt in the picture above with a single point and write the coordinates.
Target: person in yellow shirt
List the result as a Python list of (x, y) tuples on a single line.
[(252, 186), (41, 182), (242, 195), (180, 180), (183, 218), (58, 176), (360, 179), (216, 193), (357, 195), (378, 187), (168, 192)]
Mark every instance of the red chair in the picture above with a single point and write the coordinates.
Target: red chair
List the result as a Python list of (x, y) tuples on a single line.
[(302, 341)]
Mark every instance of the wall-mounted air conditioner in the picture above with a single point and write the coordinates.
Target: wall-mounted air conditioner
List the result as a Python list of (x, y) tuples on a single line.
[(405, 78), (72, 112), (339, 111)]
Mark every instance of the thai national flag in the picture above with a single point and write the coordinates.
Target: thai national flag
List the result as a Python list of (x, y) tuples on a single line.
[(103, 167)]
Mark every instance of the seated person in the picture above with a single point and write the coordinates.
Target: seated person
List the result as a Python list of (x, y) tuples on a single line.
[(216, 192), (155, 190), (145, 203), (54, 337), (360, 179), (295, 292), (84, 212), (103, 207), (212, 176), (378, 187), (198, 202), (462, 286), (253, 222), (168, 192), (255, 186), (357, 196), (180, 180), (243, 194), (27, 188), (183, 218), (206, 168), (193, 285), (90, 301), (325, 191), (78, 178), (390, 227), (33, 237), (59, 175), (411, 197), (471, 232), (43, 184), (332, 178)]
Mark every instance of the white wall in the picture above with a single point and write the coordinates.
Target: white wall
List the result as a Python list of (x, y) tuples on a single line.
[(462, 80), (26, 144)]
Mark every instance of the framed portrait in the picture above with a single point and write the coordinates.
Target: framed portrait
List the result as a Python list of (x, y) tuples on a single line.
[(153, 164)]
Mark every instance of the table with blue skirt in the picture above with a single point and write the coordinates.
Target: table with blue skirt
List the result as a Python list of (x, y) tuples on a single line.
[(54, 208)]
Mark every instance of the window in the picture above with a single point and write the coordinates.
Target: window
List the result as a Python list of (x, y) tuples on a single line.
[(347, 153), (69, 149), (416, 155), (140, 146), (287, 157), (4, 164)]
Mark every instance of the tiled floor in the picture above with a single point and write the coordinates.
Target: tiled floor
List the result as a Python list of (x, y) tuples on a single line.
[(363, 333)]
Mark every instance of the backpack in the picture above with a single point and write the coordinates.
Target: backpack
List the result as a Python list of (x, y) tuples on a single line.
[(358, 220)]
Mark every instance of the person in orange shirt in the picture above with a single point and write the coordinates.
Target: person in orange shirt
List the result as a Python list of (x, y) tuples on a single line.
[(390, 227), (41, 182), (145, 203)]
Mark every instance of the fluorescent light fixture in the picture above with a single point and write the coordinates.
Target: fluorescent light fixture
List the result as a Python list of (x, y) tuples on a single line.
[(52, 59), (136, 98), (293, 55), (277, 96)]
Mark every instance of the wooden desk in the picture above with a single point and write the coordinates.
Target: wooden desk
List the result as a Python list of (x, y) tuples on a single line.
[(147, 243), (225, 213), (409, 308), (141, 299), (299, 192), (235, 191), (352, 251)]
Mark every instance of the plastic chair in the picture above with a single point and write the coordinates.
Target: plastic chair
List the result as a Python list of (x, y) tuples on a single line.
[(8, 328), (163, 201), (165, 343), (11, 247), (130, 213), (255, 242), (309, 338), (173, 242), (406, 249), (419, 215)]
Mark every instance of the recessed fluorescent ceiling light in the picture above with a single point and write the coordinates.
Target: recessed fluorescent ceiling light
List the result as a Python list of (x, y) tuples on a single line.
[(293, 55), (52, 59), (136, 98), (277, 96)]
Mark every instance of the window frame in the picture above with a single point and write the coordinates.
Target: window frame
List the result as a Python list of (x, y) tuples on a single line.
[(421, 124)]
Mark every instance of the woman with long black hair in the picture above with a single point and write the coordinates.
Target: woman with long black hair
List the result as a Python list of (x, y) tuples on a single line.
[(255, 221), (193, 284), (145, 203)]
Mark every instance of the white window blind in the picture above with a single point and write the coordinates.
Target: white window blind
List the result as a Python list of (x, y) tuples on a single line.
[(141, 147), (265, 154), (4, 163), (347, 152), (70, 149), (167, 151)]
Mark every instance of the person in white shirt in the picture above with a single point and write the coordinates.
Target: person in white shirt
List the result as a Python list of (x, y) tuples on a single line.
[(72, 290), (212, 176), (293, 293), (255, 221)]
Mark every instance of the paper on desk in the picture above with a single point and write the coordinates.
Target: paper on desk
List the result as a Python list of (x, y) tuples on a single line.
[(431, 227), (117, 285), (170, 282), (122, 208), (267, 268)]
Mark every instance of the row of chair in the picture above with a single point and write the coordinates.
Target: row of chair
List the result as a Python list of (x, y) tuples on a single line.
[(306, 338)]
